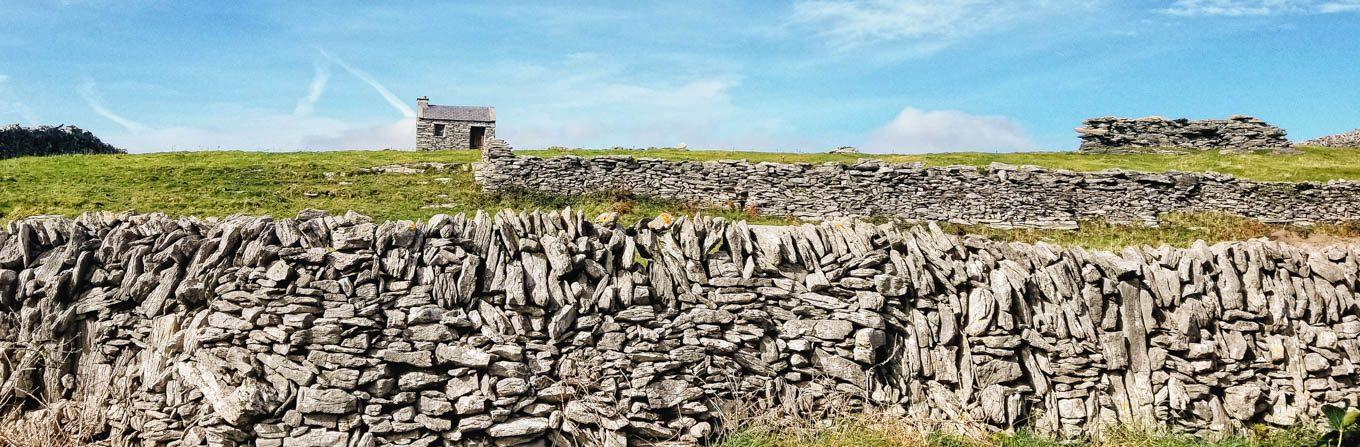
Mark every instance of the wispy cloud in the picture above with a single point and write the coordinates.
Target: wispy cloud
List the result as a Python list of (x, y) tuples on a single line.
[(541, 103), (1239, 8), (89, 92), (916, 130), (253, 129), (929, 25), (320, 76), (392, 99), (243, 128), (1339, 6)]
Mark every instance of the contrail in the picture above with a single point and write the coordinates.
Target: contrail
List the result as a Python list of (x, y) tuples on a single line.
[(87, 91), (320, 76), (396, 102)]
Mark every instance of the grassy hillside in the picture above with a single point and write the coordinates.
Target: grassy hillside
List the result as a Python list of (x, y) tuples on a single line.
[(281, 184)]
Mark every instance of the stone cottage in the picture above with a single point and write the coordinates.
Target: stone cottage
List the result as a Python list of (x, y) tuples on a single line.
[(453, 127)]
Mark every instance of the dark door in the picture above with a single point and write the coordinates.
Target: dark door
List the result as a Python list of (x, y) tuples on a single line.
[(478, 135)]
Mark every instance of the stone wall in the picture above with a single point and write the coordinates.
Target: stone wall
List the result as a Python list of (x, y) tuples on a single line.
[(1000, 195), (547, 328), (1348, 139), (1236, 134), (17, 141), (457, 134)]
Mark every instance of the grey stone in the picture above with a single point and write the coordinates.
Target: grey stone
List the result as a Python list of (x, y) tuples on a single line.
[(519, 427), (329, 401), (317, 437), (462, 355)]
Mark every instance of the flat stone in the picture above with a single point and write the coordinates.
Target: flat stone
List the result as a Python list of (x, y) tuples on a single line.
[(328, 401), (462, 355), (317, 438), (519, 427)]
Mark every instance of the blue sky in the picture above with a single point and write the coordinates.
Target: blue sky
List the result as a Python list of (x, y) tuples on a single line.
[(806, 75)]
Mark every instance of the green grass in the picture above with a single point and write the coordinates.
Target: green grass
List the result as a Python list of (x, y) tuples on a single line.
[(213, 183), (209, 184), (280, 184)]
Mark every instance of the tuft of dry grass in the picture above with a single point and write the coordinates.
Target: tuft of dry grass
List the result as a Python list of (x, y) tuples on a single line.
[(69, 424), (79, 425), (1175, 229), (877, 429)]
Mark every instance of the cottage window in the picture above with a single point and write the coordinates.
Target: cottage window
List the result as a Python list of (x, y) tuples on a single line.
[(438, 130)]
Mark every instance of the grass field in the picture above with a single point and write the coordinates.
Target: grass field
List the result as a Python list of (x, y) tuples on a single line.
[(281, 184)]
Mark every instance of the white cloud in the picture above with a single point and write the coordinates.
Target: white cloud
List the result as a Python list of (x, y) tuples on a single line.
[(1238, 8), (235, 127), (624, 114), (598, 100), (89, 92), (320, 76), (392, 100), (916, 131), (1339, 6), (928, 24), (240, 128)]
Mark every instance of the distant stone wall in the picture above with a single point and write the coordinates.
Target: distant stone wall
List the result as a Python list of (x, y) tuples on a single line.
[(17, 141), (457, 134), (545, 328), (1349, 139), (1000, 195), (1236, 134)]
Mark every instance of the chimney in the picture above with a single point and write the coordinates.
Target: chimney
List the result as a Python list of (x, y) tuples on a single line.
[(421, 103)]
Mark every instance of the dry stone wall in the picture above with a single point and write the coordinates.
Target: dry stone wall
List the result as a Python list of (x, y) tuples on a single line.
[(547, 328), (1348, 139), (1238, 133), (999, 195)]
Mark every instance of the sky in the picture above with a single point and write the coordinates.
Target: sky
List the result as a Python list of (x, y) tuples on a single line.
[(898, 76)]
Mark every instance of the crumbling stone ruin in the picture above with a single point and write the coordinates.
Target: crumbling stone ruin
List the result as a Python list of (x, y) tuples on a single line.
[(1348, 139), (548, 328), (999, 195), (1238, 133), (18, 141)]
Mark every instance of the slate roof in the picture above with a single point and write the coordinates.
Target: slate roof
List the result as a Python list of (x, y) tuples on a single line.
[(459, 113)]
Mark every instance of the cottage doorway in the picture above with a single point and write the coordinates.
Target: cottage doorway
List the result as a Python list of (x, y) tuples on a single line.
[(477, 138)]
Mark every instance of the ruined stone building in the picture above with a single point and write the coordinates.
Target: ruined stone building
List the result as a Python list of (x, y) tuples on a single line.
[(453, 127)]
